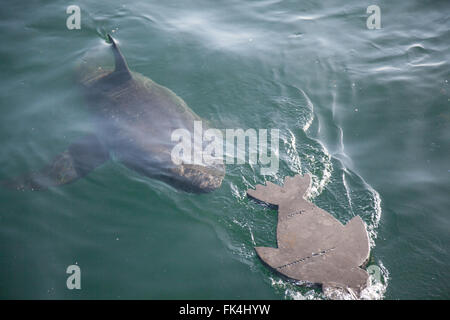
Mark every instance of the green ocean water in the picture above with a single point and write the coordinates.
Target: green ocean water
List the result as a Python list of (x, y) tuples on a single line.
[(366, 112)]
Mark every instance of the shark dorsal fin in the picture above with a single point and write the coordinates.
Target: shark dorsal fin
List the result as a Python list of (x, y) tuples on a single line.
[(121, 64)]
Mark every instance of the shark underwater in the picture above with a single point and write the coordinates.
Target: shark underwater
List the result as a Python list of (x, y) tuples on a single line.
[(134, 118)]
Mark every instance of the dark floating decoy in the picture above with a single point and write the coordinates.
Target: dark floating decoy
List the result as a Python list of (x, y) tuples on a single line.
[(313, 246)]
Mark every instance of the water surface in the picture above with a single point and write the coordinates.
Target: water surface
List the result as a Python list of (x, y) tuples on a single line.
[(365, 111)]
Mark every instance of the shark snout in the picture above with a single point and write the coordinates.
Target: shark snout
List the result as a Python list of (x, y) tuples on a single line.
[(198, 179)]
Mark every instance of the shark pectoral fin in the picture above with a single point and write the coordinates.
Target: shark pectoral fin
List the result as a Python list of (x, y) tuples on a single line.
[(78, 160)]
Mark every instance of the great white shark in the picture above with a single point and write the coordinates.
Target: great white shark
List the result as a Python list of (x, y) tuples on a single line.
[(134, 118)]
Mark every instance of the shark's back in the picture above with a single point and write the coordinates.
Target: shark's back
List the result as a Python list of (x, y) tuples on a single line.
[(136, 117)]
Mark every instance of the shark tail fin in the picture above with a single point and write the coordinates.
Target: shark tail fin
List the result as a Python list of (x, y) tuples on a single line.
[(120, 62)]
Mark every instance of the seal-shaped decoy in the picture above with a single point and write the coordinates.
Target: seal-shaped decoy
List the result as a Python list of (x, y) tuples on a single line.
[(313, 246)]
